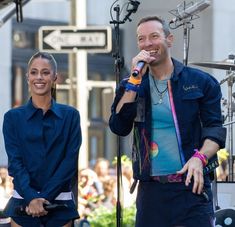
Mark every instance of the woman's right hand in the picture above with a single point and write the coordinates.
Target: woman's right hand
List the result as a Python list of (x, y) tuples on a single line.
[(35, 207)]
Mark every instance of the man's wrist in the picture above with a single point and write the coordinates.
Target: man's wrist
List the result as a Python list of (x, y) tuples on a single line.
[(131, 87), (201, 156), (134, 80)]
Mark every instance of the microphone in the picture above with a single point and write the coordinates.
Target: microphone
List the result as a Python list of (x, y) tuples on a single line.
[(133, 9), (138, 68), (190, 10), (20, 210), (135, 5)]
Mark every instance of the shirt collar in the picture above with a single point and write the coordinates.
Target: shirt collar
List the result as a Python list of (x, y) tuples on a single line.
[(31, 109), (178, 67)]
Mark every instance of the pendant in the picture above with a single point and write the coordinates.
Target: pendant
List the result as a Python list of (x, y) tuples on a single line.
[(160, 101)]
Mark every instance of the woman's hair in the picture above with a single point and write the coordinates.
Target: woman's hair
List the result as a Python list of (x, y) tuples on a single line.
[(165, 26), (47, 56)]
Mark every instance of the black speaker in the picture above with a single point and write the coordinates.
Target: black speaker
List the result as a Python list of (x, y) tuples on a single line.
[(81, 223), (225, 217)]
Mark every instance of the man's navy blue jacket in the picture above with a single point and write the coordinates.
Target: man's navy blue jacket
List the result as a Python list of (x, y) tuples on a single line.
[(196, 99)]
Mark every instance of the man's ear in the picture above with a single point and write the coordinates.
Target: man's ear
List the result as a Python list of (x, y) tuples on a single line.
[(169, 40)]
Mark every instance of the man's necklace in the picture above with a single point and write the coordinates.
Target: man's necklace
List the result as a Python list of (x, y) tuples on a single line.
[(159, 93)]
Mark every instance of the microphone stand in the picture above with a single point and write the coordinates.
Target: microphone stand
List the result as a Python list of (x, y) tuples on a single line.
[(19, 13), (187, 26), (184, 14), (18, 10), (119, 63), (230, 81)]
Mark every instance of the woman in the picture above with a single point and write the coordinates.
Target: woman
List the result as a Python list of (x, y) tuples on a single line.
[(42, 141)]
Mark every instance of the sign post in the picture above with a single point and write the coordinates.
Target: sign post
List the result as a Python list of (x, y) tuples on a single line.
[(80, 40)]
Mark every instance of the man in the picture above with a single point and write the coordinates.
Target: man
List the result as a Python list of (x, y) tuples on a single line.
[(42, 140), (175, 111)]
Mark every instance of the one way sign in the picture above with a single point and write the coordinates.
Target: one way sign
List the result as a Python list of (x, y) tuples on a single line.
[(70, 39)]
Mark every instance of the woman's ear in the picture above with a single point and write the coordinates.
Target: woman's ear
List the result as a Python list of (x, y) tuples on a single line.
[(55, 77), (27, 77)]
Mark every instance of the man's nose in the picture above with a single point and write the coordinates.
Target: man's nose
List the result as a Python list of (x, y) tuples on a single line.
[(148, 42)]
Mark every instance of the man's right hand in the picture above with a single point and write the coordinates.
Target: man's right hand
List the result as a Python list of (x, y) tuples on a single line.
[(145, 56)]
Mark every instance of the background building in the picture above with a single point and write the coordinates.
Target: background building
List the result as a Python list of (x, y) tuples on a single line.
[(211, 39)]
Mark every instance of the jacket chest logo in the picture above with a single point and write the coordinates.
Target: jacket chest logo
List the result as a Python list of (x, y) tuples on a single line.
[(190, 87)]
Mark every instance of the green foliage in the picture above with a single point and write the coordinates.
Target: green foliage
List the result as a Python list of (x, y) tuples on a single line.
[(103, 217), (125, 160), (129, 216)]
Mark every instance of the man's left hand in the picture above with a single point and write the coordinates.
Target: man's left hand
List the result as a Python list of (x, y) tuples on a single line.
[(194, 170)]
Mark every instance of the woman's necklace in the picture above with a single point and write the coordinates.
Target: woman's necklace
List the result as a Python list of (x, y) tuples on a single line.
[(159, 93)]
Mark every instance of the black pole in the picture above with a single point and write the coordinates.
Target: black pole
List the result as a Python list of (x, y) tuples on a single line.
[(119, 63), (19, 16), (17, 10)]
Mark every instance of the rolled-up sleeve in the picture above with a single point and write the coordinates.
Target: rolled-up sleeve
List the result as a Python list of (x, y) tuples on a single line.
[(121, 123), (211, 114), (216, 134)]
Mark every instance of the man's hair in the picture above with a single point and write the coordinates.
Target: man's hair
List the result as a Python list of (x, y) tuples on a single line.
[(165, 26), (47, 56)]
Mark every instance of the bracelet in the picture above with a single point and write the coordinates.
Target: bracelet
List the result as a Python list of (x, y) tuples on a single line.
[(131, 87), (201, 156), (134, 80)]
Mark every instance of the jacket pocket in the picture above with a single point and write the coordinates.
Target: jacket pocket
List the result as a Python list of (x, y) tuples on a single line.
[(189, 108), (188, 114), (192, 95)]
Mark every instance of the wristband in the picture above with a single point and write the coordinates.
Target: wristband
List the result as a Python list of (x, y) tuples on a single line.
[(134, 80), (132, 87), (201, 156)]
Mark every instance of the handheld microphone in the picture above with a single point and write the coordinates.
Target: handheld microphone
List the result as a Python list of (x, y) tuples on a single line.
[(20, 210), (190, 10), (138, 68)]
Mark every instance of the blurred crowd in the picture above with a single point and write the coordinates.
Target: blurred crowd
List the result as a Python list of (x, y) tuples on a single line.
[(6, 187), (222, 171), (98, 186)]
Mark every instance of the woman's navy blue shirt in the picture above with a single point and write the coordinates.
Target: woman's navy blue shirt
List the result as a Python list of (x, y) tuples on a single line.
[(42, 149)]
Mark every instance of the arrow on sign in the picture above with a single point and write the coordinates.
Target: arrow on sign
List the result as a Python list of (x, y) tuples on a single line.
[(57, 39)]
